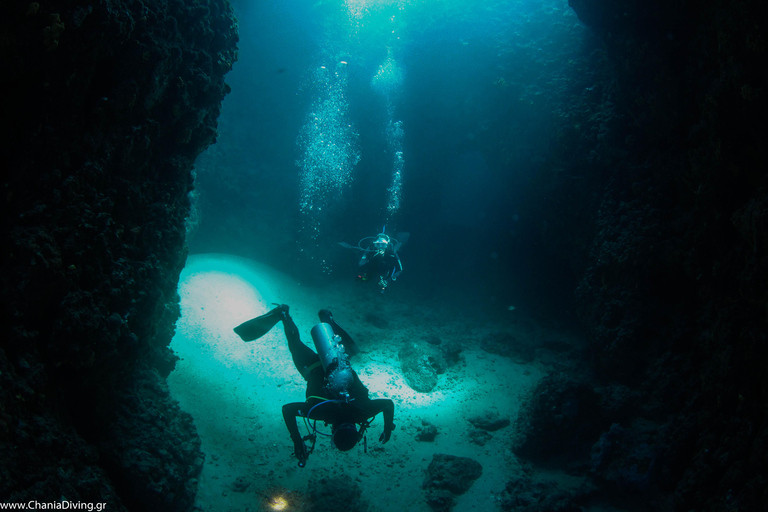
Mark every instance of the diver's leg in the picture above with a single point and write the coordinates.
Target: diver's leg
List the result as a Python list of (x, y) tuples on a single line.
[(303, 356)]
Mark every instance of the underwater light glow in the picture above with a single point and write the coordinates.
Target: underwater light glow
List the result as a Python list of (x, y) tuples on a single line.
[(278, 503)]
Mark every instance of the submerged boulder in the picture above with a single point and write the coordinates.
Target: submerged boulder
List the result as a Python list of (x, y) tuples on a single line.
[(421, 363), (335, 493), (561, 418), (426, 432), (449, 476), (490, 421)]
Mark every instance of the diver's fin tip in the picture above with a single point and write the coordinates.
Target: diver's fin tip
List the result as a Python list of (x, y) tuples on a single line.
[(257, 327)]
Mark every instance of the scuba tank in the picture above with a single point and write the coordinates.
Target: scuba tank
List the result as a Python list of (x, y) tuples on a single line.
[(350, 347), (334, 359)]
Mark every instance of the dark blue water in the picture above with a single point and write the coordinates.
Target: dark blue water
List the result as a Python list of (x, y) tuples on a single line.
[(477, 91)]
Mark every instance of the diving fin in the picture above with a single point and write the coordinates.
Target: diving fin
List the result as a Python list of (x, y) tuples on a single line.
[(350, 347), (257, 327)]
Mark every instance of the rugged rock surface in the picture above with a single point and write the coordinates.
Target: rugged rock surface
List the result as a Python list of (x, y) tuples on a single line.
[(665, 185), (335, 493), (449, 476), (522, 495), (427, 432), (560, 421), (152, 450), (661, 197), (421, 363), (106, 105), (520, 348), (490, 421)]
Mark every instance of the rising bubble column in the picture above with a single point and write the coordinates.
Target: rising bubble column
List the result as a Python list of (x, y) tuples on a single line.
[(388, 81), (328, 143)]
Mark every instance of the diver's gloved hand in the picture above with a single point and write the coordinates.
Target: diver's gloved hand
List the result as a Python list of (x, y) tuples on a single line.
[(300, 451), (384, 437)]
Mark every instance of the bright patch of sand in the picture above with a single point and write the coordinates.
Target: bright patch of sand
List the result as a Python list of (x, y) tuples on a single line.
[(234, 391)]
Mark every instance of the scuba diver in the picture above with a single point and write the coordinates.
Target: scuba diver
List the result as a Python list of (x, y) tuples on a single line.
[(380, 258), (334, 393)]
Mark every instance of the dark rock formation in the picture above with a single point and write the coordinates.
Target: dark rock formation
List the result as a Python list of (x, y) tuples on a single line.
[(626, 458), (526, 345), (522, 495), (520, 348), (490, 421), (335, 493), (527, 491), (152, 447), (667, 146), (449, 476), (106, 105), (427, 432), (479, 437), (559, 422)]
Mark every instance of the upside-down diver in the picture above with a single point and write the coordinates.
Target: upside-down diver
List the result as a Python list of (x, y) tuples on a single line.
[(335, 395)]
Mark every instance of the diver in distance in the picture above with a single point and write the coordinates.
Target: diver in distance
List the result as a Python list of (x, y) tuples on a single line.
[(335, 395), (380, 260)]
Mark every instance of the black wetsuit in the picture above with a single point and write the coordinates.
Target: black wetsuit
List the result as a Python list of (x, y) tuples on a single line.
[(386, 266), (358, 409)]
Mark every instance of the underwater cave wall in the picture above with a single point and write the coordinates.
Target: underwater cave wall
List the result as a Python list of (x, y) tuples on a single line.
[(670, 140), (106, 104)]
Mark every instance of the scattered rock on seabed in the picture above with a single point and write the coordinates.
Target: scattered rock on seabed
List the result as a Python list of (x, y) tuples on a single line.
[(449, 476), (490, 421)]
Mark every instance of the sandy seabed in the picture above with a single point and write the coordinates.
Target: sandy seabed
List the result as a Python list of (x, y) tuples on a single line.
[(235, 390)]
